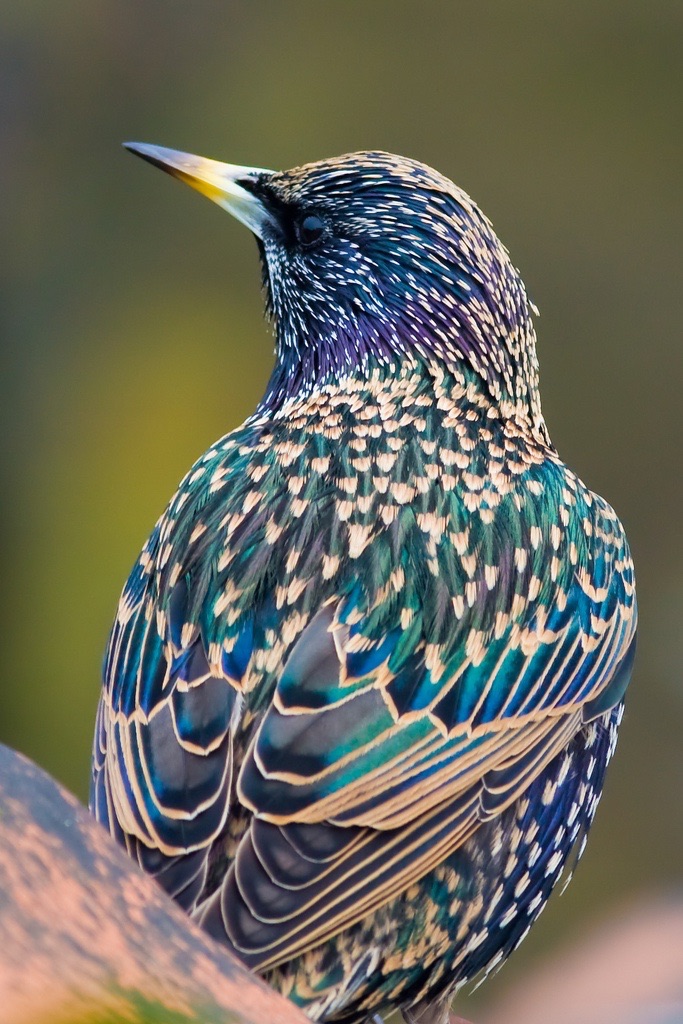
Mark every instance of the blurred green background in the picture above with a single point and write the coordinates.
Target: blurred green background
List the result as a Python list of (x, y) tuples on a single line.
[(131, 318)]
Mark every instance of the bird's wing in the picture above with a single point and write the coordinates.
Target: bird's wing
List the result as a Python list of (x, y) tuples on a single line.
[(355, 736), (379, 756), (162, 755), (162, 764)]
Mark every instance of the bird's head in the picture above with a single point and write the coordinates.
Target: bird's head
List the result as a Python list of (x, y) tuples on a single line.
[(371, 260)]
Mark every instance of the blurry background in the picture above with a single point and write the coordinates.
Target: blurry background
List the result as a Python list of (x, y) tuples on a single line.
[(133, 337)]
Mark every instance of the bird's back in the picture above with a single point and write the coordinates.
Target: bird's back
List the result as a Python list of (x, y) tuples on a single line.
[(363, 684)]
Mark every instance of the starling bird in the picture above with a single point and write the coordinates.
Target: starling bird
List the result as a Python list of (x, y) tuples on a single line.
[(367, 673)]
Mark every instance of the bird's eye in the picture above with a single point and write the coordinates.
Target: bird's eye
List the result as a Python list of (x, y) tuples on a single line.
[(310, 229)]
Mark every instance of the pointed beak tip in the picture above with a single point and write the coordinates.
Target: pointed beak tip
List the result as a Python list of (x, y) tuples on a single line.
[(142, 149)]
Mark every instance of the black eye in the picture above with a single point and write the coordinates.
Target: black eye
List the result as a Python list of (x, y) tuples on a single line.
[(310, 229)]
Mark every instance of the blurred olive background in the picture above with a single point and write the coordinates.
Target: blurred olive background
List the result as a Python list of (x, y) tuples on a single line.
[(131, 308)]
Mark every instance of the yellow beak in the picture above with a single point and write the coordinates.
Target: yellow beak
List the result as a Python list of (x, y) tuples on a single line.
[(222, 183)]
